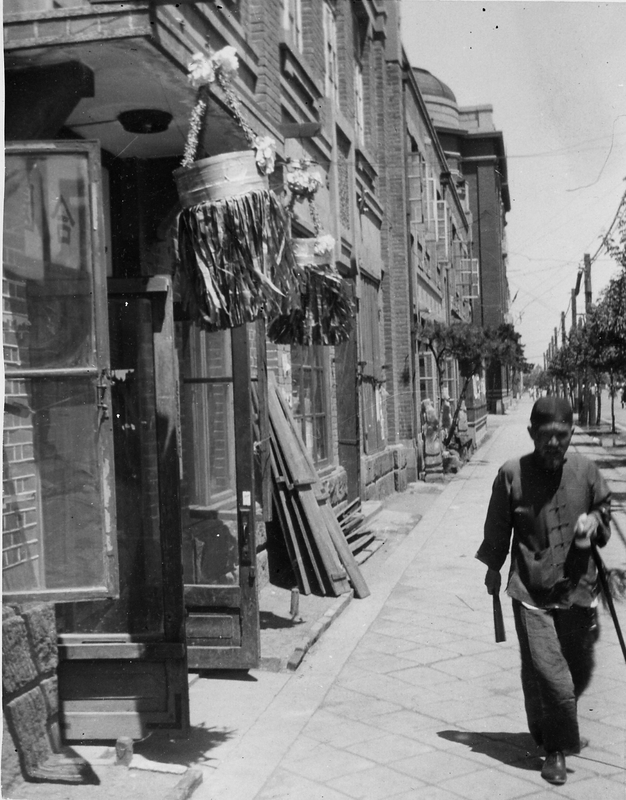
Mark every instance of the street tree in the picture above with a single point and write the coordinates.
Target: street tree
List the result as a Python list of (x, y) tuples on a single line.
[(462, 341), (570, 361), (606, 336), (474, 348), (615, 242)]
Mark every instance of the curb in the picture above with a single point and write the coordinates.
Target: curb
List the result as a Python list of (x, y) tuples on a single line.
[(186, 786), (317, 629)]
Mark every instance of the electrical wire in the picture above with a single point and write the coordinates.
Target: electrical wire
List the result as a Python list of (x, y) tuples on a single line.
[(608, 155), (622, 204)]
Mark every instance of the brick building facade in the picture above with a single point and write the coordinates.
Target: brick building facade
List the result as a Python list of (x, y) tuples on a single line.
[(475, 151), (330, 82)]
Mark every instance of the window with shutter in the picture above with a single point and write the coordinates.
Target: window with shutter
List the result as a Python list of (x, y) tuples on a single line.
[(469, 283), (428, 383), (443, 232)]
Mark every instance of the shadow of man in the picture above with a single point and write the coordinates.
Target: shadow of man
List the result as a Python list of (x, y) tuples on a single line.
[(517, 749)]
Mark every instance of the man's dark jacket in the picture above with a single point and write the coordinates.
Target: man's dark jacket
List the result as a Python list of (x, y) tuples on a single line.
[(541, 508)]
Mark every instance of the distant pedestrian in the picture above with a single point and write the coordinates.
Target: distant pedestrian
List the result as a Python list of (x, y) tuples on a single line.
[(553, 505), (623, 396)]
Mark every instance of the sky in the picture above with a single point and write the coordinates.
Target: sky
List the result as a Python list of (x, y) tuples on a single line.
[(555, 74)]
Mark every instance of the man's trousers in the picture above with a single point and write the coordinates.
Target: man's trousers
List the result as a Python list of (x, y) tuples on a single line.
[(556, 647)]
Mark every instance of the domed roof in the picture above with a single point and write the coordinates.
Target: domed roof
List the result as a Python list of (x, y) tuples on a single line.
[(431, 86)]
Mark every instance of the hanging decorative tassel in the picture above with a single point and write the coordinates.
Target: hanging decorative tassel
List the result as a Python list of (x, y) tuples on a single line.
[(324, 315), (236, 260)]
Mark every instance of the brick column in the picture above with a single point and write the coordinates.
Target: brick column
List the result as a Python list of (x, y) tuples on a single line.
[(266, 26)]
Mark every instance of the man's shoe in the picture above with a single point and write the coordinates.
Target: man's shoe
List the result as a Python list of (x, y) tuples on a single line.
[(553, 769)]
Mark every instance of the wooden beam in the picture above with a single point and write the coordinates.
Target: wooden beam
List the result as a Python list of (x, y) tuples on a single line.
[(40, 99)]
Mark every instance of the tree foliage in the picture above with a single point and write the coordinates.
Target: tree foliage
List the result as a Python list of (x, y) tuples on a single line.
[(607, 324), (615, 243), (597, 349), (505, 345), (474, 348), (570, 361)]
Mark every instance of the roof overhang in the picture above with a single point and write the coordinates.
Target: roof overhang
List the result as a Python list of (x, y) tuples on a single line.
[(137, 54), (479, 146)]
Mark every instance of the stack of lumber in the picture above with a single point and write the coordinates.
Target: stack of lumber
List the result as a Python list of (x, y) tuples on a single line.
[(317, 547)]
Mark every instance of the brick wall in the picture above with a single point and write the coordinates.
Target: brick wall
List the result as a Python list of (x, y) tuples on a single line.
[(345, 57), (265, 33), (396, 292), (313, 37)]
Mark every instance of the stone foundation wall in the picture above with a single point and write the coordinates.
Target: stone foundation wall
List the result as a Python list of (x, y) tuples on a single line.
[(30, 703), (385, 472), (335, 483)]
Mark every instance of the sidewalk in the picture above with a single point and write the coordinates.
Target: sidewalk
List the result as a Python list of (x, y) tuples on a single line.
[(407, 695)]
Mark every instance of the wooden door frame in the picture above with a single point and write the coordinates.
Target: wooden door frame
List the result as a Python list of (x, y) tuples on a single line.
[(123, 649), (247, 655)]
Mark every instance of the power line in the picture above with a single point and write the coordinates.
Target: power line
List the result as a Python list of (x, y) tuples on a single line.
[(608, 233), (572, 149), (608, 155)]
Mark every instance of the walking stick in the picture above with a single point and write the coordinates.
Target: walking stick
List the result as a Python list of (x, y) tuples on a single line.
[(498, 619), (606, 591)]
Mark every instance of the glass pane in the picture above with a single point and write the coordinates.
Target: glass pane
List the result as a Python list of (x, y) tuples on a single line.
[(296, 391), (210, 541), (210, 354), (47, 281), (318, 399), (139, 608), (52, 528), (306, 399), (213, 466), (320, 438), (215, 553)]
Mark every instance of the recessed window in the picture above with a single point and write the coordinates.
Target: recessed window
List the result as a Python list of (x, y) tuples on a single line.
[(310, 399), (331, 71), (372, 373), (292, 22), (359, 108)]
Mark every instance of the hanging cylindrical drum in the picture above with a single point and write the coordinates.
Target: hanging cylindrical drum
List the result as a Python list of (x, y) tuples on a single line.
[(219, 178)]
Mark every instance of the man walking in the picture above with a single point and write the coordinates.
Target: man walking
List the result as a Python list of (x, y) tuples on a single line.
[(554, 505)]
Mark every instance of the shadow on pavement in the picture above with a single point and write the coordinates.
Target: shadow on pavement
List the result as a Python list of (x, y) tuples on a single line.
[(270, 620), (192, 751), (517, 749), (227, 675)]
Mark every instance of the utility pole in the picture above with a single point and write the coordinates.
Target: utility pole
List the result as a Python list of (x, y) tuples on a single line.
[(555, 385), (576, 390), (587, 410), (587, 283)]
